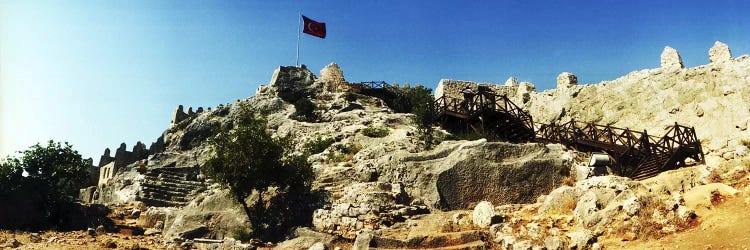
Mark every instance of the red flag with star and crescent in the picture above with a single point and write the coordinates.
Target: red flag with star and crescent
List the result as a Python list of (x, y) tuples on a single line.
[(314, 28)]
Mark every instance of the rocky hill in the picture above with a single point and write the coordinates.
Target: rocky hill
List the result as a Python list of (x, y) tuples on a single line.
[(713, 98), (387, 190)]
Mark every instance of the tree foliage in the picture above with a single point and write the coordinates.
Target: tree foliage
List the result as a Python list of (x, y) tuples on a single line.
[(304, 110), (49, 175), (247, 159), (423, 107)]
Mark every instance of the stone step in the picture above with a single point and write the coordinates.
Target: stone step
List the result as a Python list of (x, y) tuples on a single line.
[(167, 197), (159, 202), (180, 173), (173, 183), (187, 184), (169, 177), (166, 192), (474, 245), (166, 176), (437, 240)]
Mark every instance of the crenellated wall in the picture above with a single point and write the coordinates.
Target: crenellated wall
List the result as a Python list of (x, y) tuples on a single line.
[(179, 114)]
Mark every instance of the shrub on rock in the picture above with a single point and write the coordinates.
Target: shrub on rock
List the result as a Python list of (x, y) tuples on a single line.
[(248, 159)]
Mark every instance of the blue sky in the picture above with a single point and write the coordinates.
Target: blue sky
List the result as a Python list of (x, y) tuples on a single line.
[(98, 73)]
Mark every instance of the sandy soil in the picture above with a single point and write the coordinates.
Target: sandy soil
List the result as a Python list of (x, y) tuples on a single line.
[(79, 240), (725, 226)]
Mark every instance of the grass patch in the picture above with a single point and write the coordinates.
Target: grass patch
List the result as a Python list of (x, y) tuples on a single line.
[(318, 145), (376, 132), (569, 181), (343, 152)]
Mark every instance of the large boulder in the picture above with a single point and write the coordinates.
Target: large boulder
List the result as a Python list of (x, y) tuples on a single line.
[(217, 215), (292, 83), (459, 174), (483, 214), (670, 59), (719, 53)]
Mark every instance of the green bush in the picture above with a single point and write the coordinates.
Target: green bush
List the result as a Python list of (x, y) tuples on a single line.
[(318, 145), (423, 107), (376, 132), (349, 96), (304, 111), (49, 176), (248, 159)]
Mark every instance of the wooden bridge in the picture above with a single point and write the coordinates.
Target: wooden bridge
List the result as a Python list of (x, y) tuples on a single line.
[(637, 155), (359, 86), (485, 113), (379, 89)]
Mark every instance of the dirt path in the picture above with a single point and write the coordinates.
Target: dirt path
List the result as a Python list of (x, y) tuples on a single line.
[(79, 240), (726, 226)]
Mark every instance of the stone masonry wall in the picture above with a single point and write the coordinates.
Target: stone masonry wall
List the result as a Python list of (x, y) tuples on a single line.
[(454, 88)]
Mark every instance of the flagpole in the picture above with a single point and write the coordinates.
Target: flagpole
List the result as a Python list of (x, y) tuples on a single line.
[(299, 23)]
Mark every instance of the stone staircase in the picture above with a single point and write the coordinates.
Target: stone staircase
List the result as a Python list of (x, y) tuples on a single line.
[(169, 187), (334, 180)]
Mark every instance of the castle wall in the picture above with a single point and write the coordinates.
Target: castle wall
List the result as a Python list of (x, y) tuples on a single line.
[(455, 88), (105, 173)]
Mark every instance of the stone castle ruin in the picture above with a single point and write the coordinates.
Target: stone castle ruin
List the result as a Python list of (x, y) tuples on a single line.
[(376, 184), (179, 115)]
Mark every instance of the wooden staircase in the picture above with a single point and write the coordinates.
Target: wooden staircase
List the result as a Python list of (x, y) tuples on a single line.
[(485, 113), (637, 154)]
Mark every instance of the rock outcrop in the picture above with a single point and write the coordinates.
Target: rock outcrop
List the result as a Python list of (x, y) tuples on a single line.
[(458, 174), (371, 206), (525, 89), (511, 82), (714, 98), (670, 59), (719, 53), (566, 79), (292, 83)]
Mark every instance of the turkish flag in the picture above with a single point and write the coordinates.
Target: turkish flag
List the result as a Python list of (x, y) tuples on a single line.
[(314, 28)]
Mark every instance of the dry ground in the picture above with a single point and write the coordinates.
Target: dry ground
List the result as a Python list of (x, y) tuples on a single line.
[(724, 226), (79, 240)]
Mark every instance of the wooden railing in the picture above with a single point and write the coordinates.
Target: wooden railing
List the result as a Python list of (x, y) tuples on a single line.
[(517, 125), (369, 85), (638, 153)]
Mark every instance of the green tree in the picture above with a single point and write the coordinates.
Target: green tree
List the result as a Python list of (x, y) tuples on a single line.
[(423, 107), (247, 159), (51, 175)]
